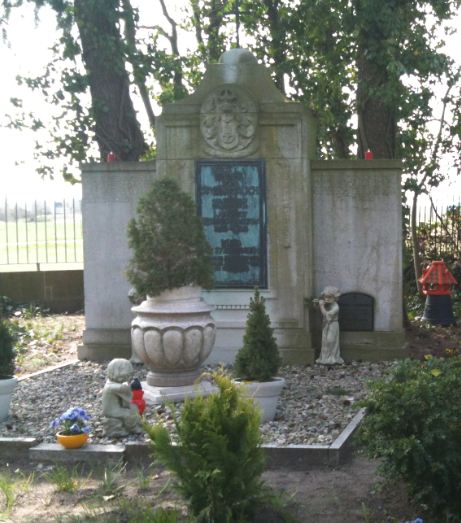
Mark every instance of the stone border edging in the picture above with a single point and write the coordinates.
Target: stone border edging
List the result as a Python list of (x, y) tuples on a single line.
[(66, 363), (295, 457)]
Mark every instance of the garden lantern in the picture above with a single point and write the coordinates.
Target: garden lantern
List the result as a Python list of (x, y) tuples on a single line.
[(437, 283)]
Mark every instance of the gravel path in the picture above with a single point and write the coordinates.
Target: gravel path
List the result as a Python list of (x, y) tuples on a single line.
[(316, 405)]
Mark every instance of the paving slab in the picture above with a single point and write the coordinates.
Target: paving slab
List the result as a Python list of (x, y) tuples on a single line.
[(91, 454)]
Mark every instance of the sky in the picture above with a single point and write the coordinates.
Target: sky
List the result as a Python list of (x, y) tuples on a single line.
[(28, 56)]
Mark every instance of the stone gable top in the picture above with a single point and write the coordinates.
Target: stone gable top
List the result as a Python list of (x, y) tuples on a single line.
[(237, 70)]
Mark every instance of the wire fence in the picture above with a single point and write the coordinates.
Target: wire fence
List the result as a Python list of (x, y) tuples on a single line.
[(438, 231), (41, 232)]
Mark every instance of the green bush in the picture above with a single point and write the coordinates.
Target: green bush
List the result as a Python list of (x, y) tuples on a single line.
[(7, 353), (218, 459), (413, 424), (168, 242), (259, 358)]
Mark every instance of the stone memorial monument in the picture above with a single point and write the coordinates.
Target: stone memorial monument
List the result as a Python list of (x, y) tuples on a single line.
[(272, 213)]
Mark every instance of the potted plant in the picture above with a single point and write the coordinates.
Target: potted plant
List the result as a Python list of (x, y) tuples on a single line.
[(173, 332), (7, 357), (258, 360), (73, 428)]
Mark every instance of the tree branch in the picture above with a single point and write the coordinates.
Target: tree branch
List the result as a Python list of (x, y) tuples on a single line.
[(139, 77), (173, 38)]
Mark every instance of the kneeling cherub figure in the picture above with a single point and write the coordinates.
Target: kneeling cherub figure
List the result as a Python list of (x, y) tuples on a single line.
[(121, 416)]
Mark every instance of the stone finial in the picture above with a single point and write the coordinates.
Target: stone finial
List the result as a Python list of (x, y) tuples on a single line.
[(237, 56)]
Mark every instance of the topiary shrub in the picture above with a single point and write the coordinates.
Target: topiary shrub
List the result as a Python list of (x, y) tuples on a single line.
[(413, 424), (218, 459), (259, 358), (168, 242), (7, 354)]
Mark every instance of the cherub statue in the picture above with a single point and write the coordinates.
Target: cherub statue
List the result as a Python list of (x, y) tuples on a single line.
[(121, 416), (330, 352)]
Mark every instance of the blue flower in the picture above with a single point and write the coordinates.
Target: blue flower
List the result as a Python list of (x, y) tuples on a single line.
[(73, 421), (75, 428)]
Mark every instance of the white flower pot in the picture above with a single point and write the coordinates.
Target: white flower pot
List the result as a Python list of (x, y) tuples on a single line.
[(173, 334), (7, 386), (265, 395)]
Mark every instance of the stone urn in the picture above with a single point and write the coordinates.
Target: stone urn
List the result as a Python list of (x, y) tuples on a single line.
[(173, 334)]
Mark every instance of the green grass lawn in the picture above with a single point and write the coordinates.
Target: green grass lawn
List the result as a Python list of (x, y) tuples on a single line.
[(41, 241)]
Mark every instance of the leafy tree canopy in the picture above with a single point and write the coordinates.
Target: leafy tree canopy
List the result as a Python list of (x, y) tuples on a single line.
[(370, 70)]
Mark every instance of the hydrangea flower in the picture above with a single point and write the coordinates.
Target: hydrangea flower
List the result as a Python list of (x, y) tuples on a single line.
[(73, 421)]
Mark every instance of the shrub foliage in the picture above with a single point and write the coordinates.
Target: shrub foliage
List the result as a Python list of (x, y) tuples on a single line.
[(218, 459), (168, 242), (7, 353), (413, 423), (259, 358)]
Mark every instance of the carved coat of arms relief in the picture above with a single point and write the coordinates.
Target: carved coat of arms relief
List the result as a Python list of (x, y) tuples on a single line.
[(228, 123)]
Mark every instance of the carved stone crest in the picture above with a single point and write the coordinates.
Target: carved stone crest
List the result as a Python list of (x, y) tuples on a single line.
[(228, 122)]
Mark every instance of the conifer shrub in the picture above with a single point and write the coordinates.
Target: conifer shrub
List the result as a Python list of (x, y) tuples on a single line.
[(7, 353), (168, 242), (217, 458), (413, 424), (258, 359)]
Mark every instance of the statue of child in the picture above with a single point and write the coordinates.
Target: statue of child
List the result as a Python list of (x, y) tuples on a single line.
[(330, 352), (121, 416)]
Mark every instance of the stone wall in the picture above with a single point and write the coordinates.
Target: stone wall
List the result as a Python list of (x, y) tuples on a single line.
[(358, 245), (110, 195), (59, 291)]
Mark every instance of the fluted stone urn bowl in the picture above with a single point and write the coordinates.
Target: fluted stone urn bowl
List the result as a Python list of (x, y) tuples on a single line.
[(173, 334)]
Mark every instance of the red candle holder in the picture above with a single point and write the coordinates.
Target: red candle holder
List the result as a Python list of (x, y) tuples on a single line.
[(111, 157), (369, 155)]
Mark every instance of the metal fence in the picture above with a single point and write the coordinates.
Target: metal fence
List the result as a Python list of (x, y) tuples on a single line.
[(41, 232), (439, 231), (44, 232)]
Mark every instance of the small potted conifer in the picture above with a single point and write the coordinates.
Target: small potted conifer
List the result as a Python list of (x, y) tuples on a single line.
[(173, 332), (258, 360), (7, 358)]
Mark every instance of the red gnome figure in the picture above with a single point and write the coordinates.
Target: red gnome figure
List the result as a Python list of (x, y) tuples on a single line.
[(138, 394)]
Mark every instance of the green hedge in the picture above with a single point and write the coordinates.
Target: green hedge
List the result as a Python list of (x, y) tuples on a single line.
[(413, 424)]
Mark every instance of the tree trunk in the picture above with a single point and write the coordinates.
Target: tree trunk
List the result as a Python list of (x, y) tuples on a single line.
[(414, 243), (116, 126), (139, 76), (377, 127)]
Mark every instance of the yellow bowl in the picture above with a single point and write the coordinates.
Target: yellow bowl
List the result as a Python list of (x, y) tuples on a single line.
[(73, 441)]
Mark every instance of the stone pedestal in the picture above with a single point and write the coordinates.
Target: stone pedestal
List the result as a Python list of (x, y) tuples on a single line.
[(159, 395)]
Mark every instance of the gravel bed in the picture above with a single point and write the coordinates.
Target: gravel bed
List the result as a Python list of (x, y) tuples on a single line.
[(316, 405)]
